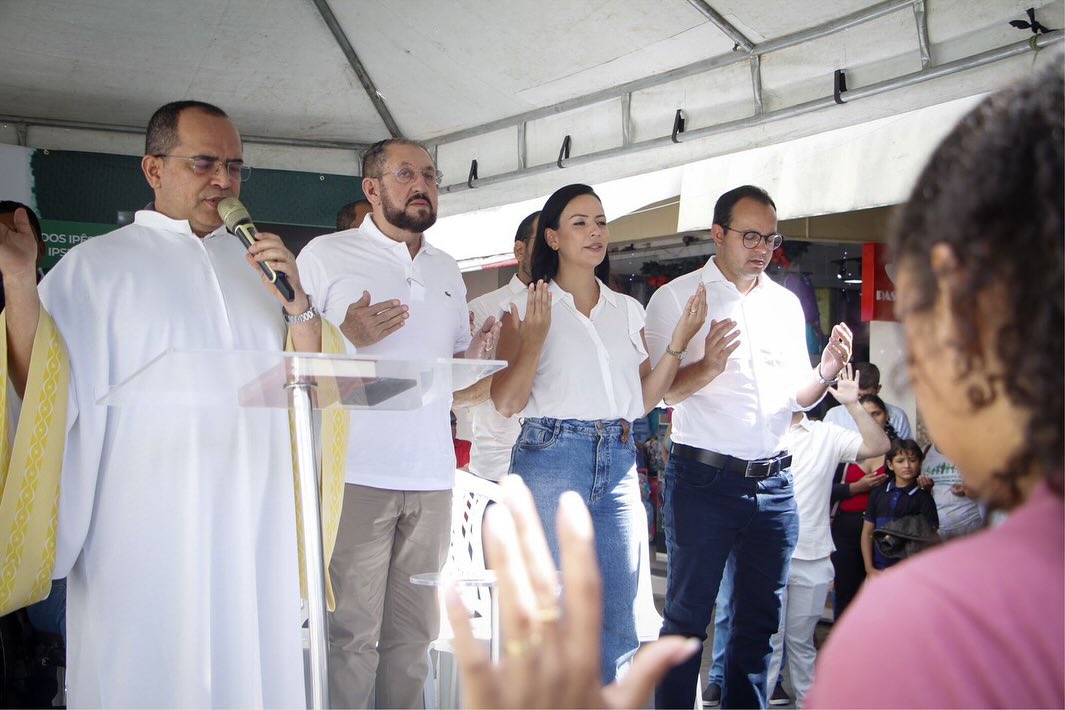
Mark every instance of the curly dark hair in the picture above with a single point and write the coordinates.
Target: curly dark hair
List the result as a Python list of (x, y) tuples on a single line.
[(993, 193)]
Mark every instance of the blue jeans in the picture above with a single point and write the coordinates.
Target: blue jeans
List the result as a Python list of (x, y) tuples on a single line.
[(722, 626), (558, 455), (50, 614), (711, 513), (722, 623)]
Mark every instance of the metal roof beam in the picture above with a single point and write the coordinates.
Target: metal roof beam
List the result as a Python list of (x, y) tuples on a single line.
[(356, 65), (837, 25), (923, 75), (139, 131), (718, 20), (920, 17), (700, 67), (756, 83)]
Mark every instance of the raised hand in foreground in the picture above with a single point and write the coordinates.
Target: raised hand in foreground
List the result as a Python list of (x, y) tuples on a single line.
[(550, 638)]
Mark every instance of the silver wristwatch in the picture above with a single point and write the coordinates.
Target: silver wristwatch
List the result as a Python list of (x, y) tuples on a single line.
[(679, 354), (310, 314)]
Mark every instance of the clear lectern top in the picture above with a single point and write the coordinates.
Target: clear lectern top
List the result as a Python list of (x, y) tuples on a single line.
[(249, 378)]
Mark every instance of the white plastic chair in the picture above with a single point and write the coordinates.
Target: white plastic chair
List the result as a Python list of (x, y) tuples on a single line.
[(470, 497)]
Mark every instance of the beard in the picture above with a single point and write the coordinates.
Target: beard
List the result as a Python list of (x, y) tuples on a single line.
[(399, 217)]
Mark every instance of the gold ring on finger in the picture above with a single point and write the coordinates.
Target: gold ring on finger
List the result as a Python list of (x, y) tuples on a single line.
[(546, 614), (515, 648)]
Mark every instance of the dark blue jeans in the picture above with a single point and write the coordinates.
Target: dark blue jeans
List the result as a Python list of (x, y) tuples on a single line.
[(558, 455), (709, 513), (50, 614)]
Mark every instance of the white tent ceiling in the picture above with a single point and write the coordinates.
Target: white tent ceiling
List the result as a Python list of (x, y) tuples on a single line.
[(503, 82)]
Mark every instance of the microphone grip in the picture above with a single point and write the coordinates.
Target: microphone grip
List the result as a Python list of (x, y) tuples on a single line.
[(282, 285), (246, 233)]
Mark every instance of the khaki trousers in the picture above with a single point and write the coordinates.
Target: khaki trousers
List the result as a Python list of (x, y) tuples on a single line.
[(380, 633)]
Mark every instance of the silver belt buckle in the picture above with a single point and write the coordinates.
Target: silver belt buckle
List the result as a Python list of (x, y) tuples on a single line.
[(760, 468)]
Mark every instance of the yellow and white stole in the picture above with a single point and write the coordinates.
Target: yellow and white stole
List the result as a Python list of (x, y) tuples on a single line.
[(30, 467), (335, 421)]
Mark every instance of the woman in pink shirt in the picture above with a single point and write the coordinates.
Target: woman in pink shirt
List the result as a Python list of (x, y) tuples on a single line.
[(980, 286)]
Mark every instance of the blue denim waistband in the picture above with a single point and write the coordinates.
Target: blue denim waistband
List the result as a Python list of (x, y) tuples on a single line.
[(583, 427)]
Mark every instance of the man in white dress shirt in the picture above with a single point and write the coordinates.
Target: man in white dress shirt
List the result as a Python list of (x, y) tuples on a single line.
[(393, 294), (728, 485), (493, 434)]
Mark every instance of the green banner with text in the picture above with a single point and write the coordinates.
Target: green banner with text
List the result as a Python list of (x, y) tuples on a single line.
[(59, 236)]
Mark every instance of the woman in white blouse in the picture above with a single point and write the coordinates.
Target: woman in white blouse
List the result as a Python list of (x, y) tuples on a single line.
[(578, 373)]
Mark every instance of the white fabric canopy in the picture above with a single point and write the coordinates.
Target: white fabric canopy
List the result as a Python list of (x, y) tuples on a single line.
[(869, 165)]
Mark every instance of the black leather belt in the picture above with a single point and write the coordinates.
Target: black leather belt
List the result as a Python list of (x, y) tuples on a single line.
[(758, 468)]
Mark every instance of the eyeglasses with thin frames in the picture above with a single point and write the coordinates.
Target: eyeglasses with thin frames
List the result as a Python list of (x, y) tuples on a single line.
[(405, 176), (206, 165), (751, 238)]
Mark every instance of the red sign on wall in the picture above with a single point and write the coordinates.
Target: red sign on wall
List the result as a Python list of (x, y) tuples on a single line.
[(878, 284)]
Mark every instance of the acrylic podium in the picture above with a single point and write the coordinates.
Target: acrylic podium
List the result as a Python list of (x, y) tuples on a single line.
[(301, 383)]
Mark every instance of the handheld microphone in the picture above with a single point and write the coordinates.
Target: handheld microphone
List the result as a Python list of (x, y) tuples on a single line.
[(239, 223)]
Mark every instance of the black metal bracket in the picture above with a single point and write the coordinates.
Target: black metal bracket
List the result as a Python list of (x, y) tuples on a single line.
[(678, 125), (839, 85), (473, 174), (1032, 23), (563, 153)]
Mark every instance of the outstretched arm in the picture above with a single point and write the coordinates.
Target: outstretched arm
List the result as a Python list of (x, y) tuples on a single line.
[(521, 342), (875, 441), (479, 391)]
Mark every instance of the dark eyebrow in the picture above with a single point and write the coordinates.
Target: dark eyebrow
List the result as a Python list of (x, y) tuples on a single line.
[(215, 157), (586, 216)]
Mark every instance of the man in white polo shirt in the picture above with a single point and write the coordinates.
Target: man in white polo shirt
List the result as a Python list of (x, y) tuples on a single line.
[(728, 487), (493, 434), (395, 295)]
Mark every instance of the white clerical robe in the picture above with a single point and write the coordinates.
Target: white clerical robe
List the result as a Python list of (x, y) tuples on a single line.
[(176, 525)]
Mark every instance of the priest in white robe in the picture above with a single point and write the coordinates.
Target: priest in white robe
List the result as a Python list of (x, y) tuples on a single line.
[(176, 525)]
